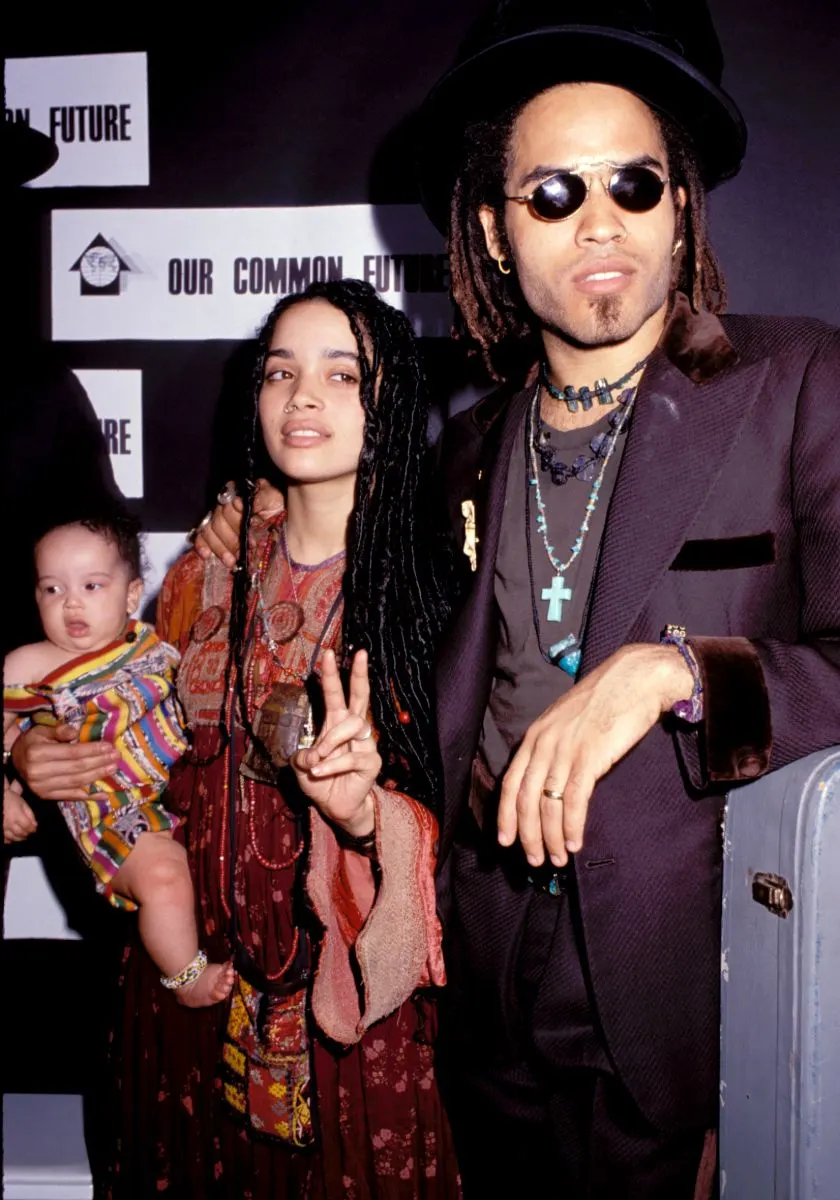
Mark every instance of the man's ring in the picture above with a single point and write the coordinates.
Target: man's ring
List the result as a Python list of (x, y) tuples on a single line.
[(226, 495), (552, 795)]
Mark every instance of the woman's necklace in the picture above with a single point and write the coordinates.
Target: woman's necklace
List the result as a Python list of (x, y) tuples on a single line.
[(558, 593), (283, 722), (307, 732)]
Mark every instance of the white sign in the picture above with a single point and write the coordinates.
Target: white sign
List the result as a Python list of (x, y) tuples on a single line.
[(194, 274), (117, 399), (94, 107)]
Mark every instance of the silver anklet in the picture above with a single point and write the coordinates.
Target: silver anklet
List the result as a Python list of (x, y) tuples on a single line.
[(189, 974)]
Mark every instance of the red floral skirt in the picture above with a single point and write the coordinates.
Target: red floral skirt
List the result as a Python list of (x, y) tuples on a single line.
[(382, 1133)]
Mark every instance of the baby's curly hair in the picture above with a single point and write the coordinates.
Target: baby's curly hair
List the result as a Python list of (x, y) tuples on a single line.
[(108, 518)]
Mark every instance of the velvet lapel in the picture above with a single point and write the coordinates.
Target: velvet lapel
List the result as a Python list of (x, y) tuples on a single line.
[(659, 493), (465, 666)]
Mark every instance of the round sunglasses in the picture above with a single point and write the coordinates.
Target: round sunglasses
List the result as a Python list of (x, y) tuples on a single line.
[(635, 189)]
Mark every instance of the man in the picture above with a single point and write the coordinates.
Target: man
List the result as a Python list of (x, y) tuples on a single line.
[(659, 468)]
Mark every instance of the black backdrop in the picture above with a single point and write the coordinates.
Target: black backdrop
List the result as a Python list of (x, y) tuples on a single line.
[(302, 105)]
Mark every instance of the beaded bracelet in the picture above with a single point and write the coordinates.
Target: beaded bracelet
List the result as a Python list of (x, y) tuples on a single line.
[(189, 974), (364, 845), (691, 710)]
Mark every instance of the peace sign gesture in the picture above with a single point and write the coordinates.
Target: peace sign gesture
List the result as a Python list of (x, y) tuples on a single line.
[(339, 770)]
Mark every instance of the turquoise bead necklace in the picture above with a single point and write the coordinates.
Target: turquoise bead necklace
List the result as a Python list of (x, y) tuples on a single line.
[(562, 654)]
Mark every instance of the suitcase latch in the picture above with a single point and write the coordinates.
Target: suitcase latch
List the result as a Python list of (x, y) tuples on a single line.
[(773, 892)]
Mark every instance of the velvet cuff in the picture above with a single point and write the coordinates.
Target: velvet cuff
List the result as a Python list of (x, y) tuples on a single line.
[(736, 732)]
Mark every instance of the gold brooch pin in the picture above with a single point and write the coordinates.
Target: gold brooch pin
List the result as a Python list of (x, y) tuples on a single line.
[(470, 539)]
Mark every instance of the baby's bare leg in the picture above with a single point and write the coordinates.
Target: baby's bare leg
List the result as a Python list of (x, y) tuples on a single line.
[(157, 878)]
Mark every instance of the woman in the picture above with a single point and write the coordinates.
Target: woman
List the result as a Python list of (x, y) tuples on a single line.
[(317, 1079)]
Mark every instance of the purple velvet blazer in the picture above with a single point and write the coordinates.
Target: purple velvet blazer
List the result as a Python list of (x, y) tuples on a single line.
[(726, 519)]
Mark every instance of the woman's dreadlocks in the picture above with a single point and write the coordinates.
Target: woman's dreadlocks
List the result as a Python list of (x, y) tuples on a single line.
[(395, 586)]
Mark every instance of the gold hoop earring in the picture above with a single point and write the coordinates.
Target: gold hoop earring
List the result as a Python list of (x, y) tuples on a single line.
[(677, 245), (503, 270)]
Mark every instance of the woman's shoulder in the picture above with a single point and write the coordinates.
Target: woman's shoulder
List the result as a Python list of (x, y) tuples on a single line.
[(180, 599), (185, 570)]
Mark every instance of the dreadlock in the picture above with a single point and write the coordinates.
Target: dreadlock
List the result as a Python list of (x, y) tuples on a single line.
[(395, 597), (492, 315), (697, 270)]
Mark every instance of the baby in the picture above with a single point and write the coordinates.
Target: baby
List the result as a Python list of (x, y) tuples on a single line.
[(111, 678)]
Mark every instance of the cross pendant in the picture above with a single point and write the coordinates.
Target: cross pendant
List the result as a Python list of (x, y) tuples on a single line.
[(555, 595)]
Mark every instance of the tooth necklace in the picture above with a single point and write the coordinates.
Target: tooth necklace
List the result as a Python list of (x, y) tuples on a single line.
[(601, 391), (561, 654)]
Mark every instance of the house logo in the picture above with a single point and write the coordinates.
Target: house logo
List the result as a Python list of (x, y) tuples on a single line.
[(100, 269)]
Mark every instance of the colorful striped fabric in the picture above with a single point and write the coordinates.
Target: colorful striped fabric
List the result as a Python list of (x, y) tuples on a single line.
[(124, 694)]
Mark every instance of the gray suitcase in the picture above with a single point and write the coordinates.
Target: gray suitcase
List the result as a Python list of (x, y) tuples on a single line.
[(780, 993)]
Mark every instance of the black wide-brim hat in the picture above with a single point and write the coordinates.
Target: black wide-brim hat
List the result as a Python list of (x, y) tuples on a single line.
[(664, 51)]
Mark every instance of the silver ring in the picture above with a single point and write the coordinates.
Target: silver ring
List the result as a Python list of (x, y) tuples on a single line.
[(552, 795), (364, 737), (205, 521), (226, 495)]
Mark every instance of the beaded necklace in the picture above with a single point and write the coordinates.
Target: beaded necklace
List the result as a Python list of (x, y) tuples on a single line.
[(246, 786), (582, 468), (558, 593), (602, 391)]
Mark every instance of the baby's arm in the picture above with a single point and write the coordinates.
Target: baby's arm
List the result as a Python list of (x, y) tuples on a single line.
[(18, 818), (18, 668)]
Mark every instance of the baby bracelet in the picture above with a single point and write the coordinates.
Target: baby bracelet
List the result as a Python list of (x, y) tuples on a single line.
[(189, 974), (691, 710)]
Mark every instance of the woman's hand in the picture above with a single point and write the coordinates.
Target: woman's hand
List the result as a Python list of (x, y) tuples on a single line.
[(339, 770), (55, 766), (18, 818), (218, 533)]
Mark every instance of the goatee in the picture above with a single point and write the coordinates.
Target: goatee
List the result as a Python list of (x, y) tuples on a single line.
[(607, 313)]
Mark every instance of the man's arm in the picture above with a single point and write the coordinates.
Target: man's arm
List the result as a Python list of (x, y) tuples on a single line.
[(765, 702)]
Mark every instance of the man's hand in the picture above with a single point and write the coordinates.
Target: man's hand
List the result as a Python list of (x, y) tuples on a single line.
[(575, 743), (55, 766), (218, 534), (18, 818)]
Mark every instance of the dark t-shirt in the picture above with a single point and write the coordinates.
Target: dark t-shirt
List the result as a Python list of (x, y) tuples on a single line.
[(525, 684), (555, 1003)]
